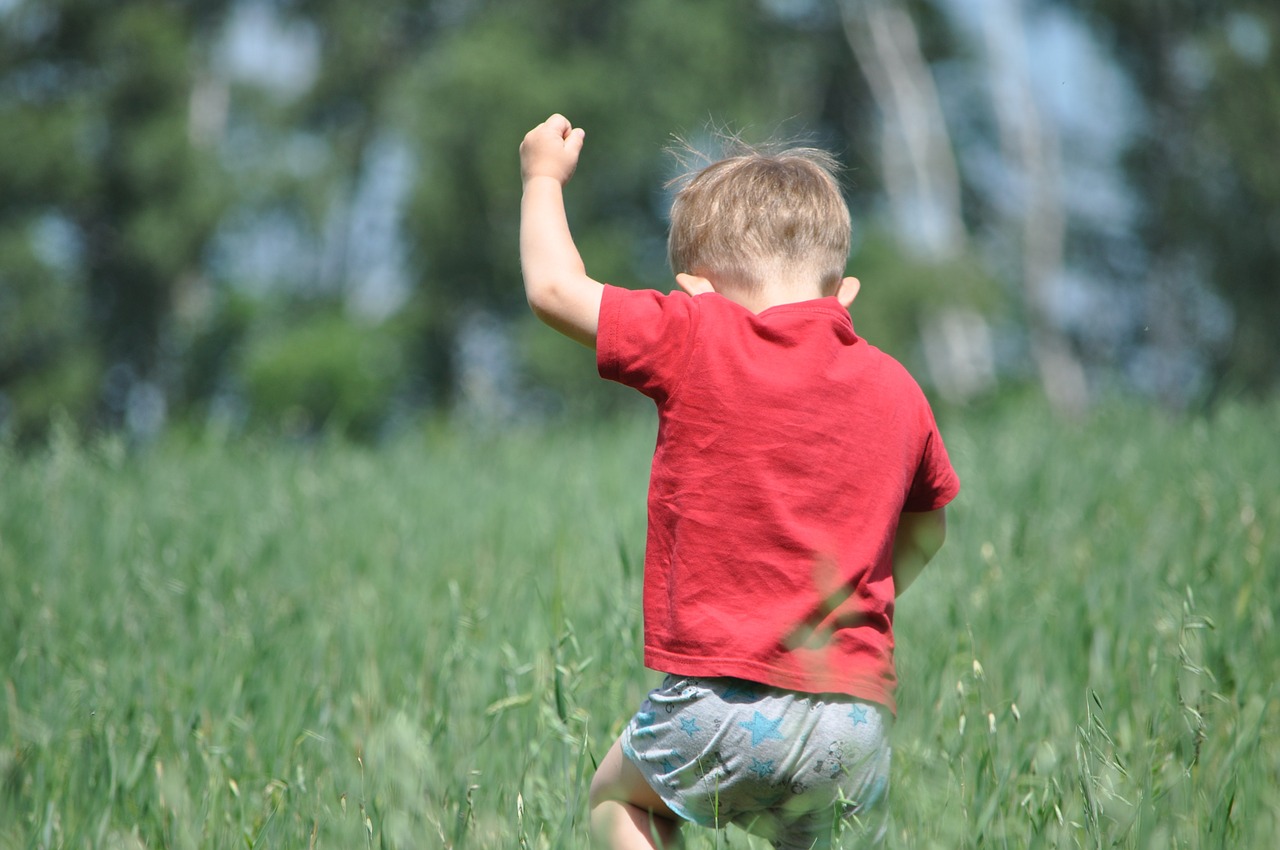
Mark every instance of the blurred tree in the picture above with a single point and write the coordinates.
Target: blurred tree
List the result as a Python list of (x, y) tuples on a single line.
[(105, 202), (322, 372), (632, 74), (932, 276), (183, 180), (1031, 148), (1205, 167)]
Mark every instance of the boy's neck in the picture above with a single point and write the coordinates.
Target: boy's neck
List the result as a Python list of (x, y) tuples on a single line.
[(775, 294), (759, 301)]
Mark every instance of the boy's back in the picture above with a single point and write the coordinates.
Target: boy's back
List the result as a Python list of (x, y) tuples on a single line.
[(787, 449)]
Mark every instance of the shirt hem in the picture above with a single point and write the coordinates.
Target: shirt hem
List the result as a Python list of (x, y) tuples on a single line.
[(871, 689)]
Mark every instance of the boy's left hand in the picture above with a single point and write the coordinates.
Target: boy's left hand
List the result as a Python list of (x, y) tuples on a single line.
[(551, 150)]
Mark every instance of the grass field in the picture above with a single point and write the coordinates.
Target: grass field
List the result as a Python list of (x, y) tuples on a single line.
[(428, 644)]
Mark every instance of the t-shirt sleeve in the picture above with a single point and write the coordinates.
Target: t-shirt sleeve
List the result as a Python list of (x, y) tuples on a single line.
[(935, 483), (643, 338)]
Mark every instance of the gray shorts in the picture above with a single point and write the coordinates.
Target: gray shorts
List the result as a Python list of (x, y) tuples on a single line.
[(795, 768)]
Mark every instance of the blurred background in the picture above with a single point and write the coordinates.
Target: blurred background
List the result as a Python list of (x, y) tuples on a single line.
[(300, 216)]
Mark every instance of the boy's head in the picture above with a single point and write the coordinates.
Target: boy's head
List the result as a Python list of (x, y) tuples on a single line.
[(758, 217)]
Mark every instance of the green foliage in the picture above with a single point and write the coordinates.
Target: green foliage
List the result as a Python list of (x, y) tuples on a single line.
[(94, 124), (899, 293), (44, 363), (625, 74), (1236, 119), (65, 385), (566, 369), (125, 126), (212, 340), (1209, 74), (430, 645), (325, 372)]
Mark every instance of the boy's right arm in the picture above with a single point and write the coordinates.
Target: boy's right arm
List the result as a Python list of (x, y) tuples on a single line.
[(555, 279), (920, 536)]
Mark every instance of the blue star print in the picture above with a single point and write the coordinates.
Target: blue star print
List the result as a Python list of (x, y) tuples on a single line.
[(859, 714), (762, 729), (689, 725), (644, 725), (761, 767)]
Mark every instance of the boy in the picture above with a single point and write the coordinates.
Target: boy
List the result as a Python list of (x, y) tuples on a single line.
[(798, 485)]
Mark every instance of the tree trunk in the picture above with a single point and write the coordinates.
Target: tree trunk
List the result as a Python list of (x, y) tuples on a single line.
[(1031, 146), (920, 173), (922, 183)]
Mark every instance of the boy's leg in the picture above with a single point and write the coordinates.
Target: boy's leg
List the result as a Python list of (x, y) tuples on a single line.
[(625, 810)]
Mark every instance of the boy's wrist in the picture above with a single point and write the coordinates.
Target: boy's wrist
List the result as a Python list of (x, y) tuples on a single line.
[(542, 175)]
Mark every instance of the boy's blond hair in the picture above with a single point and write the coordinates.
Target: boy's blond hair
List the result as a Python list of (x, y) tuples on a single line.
[(759, 214)]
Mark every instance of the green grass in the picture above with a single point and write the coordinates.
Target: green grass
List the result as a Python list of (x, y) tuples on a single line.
[(430, 644)]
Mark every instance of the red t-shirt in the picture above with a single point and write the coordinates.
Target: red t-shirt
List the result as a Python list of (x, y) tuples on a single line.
[(787, 449)]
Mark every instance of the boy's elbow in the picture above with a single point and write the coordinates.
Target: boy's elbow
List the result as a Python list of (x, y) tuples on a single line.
[(544, 315), (568, 304), (543, 297)]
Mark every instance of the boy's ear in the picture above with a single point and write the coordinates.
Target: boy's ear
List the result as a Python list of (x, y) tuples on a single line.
[(848, 291), (693, 284)]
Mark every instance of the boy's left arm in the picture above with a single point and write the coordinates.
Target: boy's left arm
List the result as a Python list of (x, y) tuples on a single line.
[(919, 537), (555, 278)]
